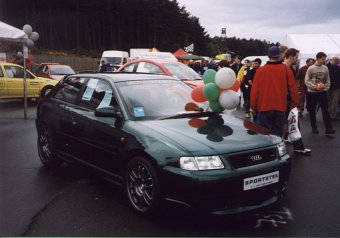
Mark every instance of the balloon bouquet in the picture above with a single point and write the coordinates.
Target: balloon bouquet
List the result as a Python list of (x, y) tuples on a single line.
[(219, 89)]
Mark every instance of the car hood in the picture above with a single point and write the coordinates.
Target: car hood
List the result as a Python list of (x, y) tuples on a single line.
[(213, 135)]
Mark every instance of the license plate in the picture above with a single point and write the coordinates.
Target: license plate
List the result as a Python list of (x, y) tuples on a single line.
[(260, 181)]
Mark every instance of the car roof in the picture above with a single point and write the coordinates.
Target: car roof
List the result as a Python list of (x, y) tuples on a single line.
[(9, 64), (47, 63), (154, 60), (124, 76)]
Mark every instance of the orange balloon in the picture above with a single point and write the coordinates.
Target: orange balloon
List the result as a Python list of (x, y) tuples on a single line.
[(197, 123), (197, 94), (235, 87)]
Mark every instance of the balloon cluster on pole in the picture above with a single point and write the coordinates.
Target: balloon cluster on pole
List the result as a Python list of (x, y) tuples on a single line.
[(220, 89), (31, 36)]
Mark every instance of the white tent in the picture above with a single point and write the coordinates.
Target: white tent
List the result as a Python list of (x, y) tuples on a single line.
[(10, 33), (310, 44)]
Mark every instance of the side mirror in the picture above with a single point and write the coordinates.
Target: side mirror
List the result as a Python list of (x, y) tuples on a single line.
[(106, 112)]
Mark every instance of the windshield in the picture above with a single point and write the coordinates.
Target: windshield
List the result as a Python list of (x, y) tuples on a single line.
[(61, 70), (182, 71), (155, 99), (113, 60)]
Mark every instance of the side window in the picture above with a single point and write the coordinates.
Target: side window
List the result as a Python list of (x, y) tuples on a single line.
[(69, 91), (1, 73), (98, 93), (129, 68), (14, 72), (145, 67)]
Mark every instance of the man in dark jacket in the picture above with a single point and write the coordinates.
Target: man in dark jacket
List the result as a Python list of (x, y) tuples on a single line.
[(334, 90), (302, 86)]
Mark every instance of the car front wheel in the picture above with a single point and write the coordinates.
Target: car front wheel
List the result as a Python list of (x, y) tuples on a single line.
[(46, 148), (142, 186)]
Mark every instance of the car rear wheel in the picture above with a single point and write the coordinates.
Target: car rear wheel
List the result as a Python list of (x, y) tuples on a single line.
[(46, 148), (142, 185)]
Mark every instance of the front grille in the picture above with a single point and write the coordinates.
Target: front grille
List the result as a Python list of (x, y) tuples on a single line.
[(241, 160)]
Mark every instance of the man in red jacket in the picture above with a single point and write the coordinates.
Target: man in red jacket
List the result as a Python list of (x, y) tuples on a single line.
[(268, 99)]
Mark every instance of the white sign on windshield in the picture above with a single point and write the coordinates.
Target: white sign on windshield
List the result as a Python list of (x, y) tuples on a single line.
[(91, 85)]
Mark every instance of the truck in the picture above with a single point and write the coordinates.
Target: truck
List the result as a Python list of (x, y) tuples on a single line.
[(114, 58)]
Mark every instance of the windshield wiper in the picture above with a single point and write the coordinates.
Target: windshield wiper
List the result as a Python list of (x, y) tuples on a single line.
[(189, 114)]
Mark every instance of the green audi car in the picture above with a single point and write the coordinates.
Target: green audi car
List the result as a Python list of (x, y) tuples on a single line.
[(144, 132)]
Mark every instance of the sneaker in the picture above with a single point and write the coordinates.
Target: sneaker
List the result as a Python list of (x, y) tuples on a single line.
[(247, 115), (304, 151), (330, 131), (315, 130)]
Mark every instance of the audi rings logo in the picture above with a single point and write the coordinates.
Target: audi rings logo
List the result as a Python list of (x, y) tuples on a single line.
[(256, 157)]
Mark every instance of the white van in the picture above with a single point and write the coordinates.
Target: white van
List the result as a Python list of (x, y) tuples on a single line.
[(158, 55), (263, 58), (114, 58)]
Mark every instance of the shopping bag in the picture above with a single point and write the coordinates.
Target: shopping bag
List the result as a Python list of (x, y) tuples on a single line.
[(293, 129)]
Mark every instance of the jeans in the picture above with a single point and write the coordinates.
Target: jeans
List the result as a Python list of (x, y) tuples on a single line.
[(312, 100), (273, 120)]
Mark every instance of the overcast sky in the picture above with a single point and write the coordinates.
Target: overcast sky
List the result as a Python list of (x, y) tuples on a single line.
[(269, 20)]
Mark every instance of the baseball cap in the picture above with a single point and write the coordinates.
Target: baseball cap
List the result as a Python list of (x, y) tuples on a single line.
[(274, 52)]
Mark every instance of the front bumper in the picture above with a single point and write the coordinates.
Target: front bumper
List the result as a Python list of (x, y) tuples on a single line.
[(221, 191)]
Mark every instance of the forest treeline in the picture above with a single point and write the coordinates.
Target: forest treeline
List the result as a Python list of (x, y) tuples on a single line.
[(91, 26)]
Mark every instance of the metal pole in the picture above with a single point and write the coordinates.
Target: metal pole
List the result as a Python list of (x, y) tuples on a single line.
[(25, 87)]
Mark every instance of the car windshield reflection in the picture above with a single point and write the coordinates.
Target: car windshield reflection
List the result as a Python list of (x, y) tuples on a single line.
[(156, 99), (182, 71)]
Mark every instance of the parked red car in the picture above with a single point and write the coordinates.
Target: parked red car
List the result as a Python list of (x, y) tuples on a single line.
[(54, 71), (159, 66)]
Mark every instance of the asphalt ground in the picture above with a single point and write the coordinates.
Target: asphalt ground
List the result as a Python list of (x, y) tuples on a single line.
[(72, 202)]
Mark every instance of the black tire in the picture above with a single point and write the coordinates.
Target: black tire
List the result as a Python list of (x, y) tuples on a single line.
[(142, 186), (45, 91), (46, 148)]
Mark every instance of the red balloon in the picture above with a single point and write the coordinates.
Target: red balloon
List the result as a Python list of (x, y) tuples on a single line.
[(235, 87), (191, 106), (197, 94), (197, 123)]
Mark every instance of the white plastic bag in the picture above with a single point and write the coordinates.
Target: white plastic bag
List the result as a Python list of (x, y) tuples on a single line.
[(293, 129)]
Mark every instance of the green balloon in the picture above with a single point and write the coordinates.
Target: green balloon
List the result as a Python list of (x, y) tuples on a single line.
[(209, 76), (205, 130), (211, 91), (216, 106), (215, 120)]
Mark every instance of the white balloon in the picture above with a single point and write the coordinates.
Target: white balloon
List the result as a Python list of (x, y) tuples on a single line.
[(29, 43), (34, 36), (27, 29), (225, 78), (229, 99)]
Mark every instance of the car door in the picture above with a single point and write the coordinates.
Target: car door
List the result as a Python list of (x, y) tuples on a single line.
[(3, 84), (15, 82), (104, 136), (70, 125)]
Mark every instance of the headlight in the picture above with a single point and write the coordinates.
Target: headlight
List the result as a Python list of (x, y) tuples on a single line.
[(282, 148), (201, 163)]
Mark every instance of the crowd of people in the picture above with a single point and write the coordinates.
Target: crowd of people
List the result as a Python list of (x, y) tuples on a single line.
[(271, 91)]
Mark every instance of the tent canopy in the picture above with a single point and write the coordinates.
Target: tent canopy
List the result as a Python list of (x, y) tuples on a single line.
[(310, 44), (10, 33), (190, 57), (180, 52)]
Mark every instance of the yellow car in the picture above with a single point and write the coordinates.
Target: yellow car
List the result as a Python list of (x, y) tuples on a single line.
[(12, 82)]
